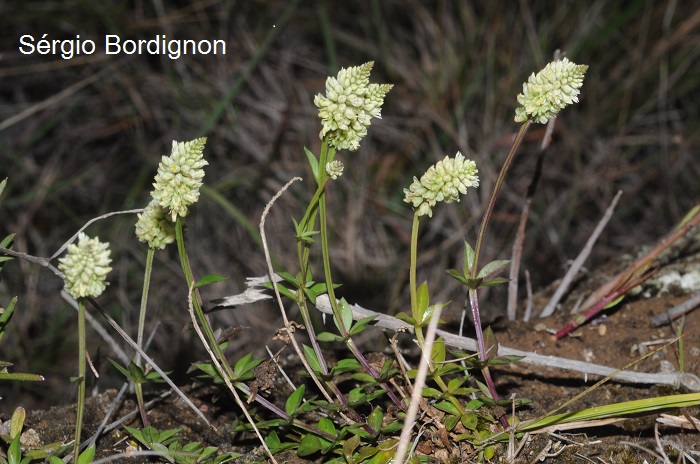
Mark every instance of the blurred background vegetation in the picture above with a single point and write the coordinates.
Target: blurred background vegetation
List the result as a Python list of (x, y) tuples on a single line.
[(83, 137)]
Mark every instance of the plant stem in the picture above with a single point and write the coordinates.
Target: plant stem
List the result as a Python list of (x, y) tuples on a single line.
[(144, 302), (496, 189), (81, 379), (473, 297), (413, 266), (327, 155)]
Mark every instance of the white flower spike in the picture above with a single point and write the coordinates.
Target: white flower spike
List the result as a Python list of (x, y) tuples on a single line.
[(86, 266), (179, 177), (444, 181), (155, 227), (550, 90), (349, 105)]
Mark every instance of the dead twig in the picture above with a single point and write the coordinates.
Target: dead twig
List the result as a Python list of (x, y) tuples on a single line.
[(685, 380), (580, 259), (691, 220), (677, 311)]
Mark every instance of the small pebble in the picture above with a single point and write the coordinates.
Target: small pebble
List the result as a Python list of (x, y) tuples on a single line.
[(666, 367)]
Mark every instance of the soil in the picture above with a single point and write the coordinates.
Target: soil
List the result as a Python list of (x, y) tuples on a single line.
[(614, 340)]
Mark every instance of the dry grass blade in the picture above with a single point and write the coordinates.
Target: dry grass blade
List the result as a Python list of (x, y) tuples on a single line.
[(689, 222)]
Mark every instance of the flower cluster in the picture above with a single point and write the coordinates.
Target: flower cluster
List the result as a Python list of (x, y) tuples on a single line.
[(86, 266), (334, 169), (179, 177), (549, 91), (155, 227), (444, 181), (349, 105)]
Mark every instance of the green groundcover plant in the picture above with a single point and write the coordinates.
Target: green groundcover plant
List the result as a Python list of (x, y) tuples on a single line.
[(349, 410)]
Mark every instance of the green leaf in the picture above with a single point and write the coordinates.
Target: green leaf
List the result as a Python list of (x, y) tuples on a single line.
[(345, 314), (289, 278), (244, 366), (349, 447), (328, 337), (363, 377), (614, 302), (626, 408), (309, 445), (402, 316), (346, 365), (422, 301), (454, 384), (495, 281), (429, 392), (468, 258), (273, 441), (493, 268), (6, 315), (438, 353), (313, 162), (447, 407), (294, 400), (326, 425), (490, 343), (125, 372), (361, 325), (454, 273), (311, 358), (392, 427), (451, 421), (209, 279), (17, 422), (469, 420), (87, 456), (375, 419), (7, 241), (14, 452), (366, 452)]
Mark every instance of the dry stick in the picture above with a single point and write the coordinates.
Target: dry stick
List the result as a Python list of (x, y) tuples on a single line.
[(676, 380), (148, 359), (418, 385), (686, 225), (271, 273), (677, 311), (46, 262), (580, 259), (528, 288), (515, 262), (224, 376)]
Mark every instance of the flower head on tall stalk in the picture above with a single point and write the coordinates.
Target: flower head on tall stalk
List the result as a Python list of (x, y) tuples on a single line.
[(550, 90), (86, 266), (349, 105), (155, 227), (444, 181), (179, 177)]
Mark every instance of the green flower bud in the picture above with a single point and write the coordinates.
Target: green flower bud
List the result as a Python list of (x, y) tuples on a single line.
[(155, 227), (334, 169), (180, 177), (86, 266), (349, 105), (549, 91), (444, 181)]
